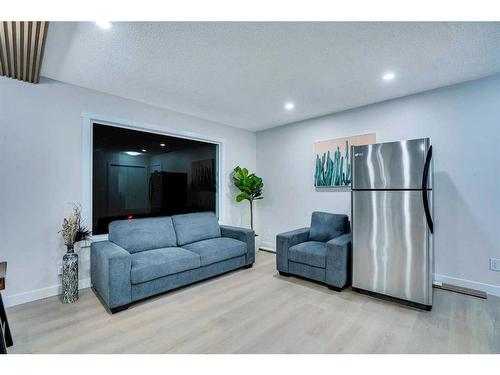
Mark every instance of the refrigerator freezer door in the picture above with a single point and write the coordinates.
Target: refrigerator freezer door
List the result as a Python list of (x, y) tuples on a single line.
[(156, 191), (392, 245), (393, 165)]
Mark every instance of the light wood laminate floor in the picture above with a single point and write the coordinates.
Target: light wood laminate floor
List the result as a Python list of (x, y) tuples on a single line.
[(258, 311)]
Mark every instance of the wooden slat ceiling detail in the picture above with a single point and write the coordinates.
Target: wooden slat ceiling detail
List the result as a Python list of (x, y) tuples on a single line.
[(21, 49)]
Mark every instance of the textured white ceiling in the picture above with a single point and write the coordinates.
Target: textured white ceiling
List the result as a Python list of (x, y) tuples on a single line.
[(241, 74)]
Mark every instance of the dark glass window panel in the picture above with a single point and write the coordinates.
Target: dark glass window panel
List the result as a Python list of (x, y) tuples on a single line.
[(139, 174)]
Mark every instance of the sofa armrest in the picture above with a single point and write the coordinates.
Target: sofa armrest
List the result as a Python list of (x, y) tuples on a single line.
[(110, 267), (286, 240), (242, 234), (338, 261)]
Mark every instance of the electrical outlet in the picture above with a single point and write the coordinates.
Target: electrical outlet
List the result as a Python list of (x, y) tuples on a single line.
[(495, 264), (59, 268)]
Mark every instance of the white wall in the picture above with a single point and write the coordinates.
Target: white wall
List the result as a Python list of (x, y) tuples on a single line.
[(463, 122), (41, 172)]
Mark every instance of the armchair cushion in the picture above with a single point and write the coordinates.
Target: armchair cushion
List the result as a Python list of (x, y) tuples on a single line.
[(312, 253), (326, 226), (195, 227)]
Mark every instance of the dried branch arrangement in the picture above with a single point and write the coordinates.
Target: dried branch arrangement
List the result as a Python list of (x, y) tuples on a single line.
[(72, 231)]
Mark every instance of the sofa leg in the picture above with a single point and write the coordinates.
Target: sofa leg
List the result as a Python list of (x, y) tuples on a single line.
[(248, 266), (335, 288), (119, 308), (286, 274)]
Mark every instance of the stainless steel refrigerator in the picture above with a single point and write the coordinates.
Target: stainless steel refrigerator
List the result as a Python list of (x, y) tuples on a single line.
[(392, 221)]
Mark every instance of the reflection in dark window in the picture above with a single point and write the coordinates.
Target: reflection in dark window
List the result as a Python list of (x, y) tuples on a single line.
[(139, 174)]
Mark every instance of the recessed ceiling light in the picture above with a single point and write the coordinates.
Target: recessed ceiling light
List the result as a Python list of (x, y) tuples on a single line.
[(132, 153), (162, 144), (143, 150), (388, 76), (289, 106), (104, 24)]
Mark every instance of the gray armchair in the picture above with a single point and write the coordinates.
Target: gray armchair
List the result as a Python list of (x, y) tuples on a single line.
[(321, 252)]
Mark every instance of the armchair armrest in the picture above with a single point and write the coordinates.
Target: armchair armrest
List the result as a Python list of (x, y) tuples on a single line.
[(338, 261), (242, 234), (110, 267), (286, 240)]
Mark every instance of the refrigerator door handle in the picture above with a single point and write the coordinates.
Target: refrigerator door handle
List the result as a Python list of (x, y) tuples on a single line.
[(424, 190)]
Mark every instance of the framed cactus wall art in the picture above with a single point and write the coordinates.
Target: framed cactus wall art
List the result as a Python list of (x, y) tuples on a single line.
[(333, 160)]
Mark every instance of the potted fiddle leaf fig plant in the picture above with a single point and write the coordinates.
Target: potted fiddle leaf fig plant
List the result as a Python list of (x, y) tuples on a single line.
[(250, 186)]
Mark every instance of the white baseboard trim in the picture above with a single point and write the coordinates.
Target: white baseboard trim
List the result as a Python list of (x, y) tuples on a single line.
[(490, 289), (268, 246), (20, 298), (493, 290), (33, 295)]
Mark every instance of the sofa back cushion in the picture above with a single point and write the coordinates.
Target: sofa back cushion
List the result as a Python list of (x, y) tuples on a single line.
[(143, 234), (325, 226), (195, 227)]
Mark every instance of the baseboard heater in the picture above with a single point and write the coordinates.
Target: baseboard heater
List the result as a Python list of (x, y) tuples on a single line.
[(267, 249), (461, 290)]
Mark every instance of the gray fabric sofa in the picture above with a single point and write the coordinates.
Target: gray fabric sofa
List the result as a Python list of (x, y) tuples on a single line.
[(321, 252), (144, 257)]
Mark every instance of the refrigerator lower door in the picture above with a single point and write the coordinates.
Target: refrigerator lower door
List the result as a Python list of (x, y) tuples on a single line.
[(392, 245)]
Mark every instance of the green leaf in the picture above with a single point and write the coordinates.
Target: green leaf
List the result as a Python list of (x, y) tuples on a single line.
[(249, 184), (242, 196)]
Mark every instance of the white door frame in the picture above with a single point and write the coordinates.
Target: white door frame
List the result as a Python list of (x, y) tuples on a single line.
[(88, 119)]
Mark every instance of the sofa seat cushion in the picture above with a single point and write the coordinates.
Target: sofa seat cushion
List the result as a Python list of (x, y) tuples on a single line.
[(312, 253), (217, 249), (153, 264), (195, 227)]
